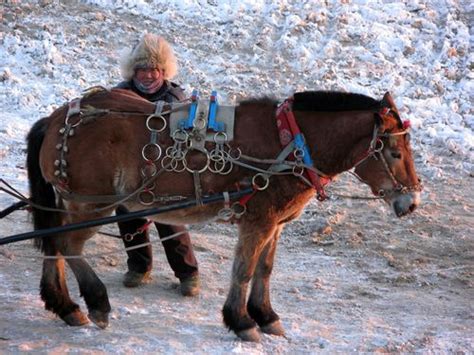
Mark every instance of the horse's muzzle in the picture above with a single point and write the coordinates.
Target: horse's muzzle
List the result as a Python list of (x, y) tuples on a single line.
[(404, 204)]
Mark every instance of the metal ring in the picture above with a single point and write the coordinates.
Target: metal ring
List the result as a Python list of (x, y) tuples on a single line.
[(239, 209), (228, 171), (217, 135), (172, 165), (234, 156), (216, 155), (298, 153), (265, 179), (147, 174), (164, 165), (225, 214), (203, 169), (298, 172), (199, 123), (153, 129), (142, 197), (79, 121), (177, 138), (128, 237), (381, 193), (218, 166), (175, 165), (178, 154), (151, 145), (169, 151), (378, 150)]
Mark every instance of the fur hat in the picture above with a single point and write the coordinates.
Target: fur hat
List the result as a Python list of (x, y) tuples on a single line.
[(151, 51)]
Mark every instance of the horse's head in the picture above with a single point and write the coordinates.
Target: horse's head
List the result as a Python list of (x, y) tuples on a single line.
[(389, 169)]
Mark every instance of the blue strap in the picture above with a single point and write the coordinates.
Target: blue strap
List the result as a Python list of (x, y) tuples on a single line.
[(212, 123), (301, 144), (188, 124)]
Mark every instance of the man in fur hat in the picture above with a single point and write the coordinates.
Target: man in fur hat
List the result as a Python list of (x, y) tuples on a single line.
[(147, 69)]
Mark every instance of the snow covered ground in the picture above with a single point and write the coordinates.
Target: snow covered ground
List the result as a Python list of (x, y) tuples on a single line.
[(380, 285)]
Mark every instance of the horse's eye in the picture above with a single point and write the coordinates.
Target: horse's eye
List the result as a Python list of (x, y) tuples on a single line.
[(396, 154)]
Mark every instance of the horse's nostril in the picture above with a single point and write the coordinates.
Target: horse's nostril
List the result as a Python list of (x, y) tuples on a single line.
[(397, 208)]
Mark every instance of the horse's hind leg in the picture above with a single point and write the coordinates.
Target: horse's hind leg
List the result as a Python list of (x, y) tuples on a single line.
[(53, 288), (252, 240), (90, 286), (259, 306)]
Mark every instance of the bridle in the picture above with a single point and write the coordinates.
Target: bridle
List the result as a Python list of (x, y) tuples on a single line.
[(375, 151)]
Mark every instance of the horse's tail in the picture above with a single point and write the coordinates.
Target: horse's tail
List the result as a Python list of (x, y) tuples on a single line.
[(41, 192)]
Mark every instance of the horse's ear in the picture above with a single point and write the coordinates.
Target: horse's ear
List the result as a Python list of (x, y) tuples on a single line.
[(387, 101)]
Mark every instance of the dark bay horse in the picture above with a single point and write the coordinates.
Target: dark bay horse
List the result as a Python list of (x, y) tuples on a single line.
[(102, 154)]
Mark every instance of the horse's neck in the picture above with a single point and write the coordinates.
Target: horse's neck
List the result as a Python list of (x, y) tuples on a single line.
[(256, 131), (336, 139)]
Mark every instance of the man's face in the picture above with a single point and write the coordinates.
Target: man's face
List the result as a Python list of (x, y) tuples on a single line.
[(148, 76)]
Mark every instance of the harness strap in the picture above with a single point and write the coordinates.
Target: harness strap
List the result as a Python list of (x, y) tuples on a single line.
[(197, 188), (128, 237), (226, 199), (72, 196), (74, 107), (288, 129)]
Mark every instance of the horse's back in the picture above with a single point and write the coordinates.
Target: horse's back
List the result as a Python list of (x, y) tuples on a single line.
[(98, 147)]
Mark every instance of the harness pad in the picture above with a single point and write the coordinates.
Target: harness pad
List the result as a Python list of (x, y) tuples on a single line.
[(219, 118)]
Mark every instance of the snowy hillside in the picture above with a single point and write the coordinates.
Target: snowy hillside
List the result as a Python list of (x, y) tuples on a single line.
[(420, 51)]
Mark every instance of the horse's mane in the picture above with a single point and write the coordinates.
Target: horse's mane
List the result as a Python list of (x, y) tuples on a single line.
[(260, 101), (332, 101)]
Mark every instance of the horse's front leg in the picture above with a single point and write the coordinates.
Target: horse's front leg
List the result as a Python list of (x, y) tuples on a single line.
[(252, 240), (259, 306)]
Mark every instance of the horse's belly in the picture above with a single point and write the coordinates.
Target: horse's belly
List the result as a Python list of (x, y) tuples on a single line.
[(190, 215)]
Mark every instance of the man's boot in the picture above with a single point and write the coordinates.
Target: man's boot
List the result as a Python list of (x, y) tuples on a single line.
[(190, 286), (135, 279), (180, 255)]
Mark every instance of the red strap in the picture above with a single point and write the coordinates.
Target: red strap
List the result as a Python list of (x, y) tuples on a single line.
[(317, 184), (144, 227), (290, 118), (245, 199), (288, 128)]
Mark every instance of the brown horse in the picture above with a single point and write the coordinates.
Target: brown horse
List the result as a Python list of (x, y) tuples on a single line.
[(77, 162)]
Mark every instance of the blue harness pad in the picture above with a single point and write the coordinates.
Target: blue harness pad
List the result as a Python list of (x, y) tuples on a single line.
[(208, 116)]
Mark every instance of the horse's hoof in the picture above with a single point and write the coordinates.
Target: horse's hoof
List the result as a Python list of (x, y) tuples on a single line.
[(100, 319), (251, 334), (274, 328), (76, 318)]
